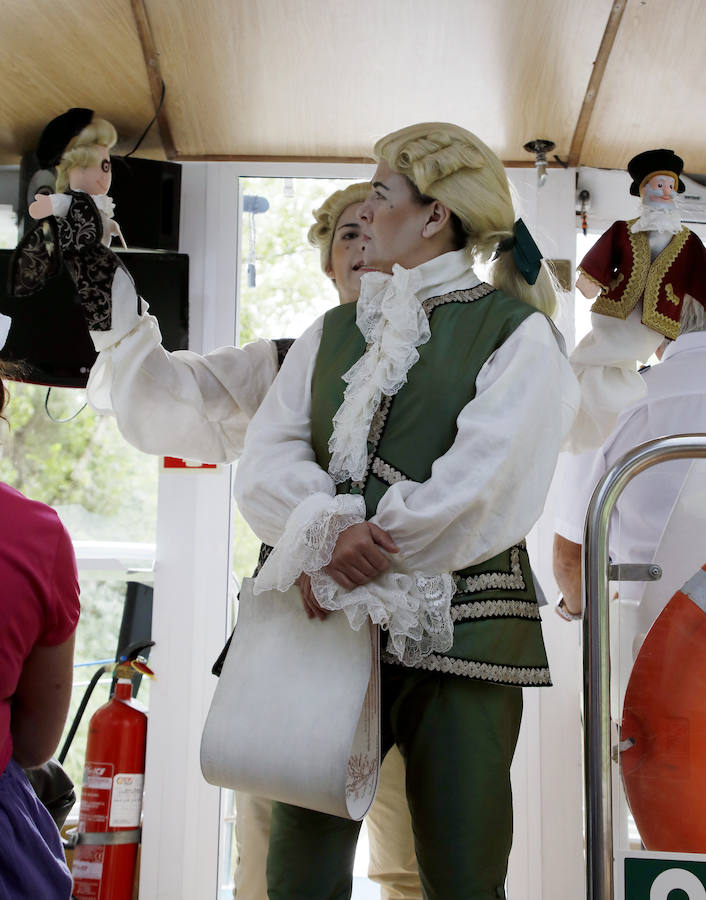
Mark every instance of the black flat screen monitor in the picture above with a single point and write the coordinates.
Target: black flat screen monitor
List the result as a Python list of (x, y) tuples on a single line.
[(48, 334)]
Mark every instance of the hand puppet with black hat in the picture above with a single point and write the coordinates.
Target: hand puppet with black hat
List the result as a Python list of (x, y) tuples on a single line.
[(654, 258), (642, 270), (76, 224)]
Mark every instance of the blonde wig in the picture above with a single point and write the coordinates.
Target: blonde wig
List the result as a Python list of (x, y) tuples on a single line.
[(83, 151), (327, 216), (449, 164)]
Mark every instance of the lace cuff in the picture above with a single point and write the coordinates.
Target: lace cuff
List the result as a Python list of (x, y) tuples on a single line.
[(415, 609), (309, 539)]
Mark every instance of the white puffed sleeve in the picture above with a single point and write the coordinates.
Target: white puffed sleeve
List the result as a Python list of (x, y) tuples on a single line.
[(60, 204), (488, 490), (177, 403), (287, 499)]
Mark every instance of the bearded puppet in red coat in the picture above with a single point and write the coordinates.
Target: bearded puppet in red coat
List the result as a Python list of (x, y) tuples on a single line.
[(646, 271), (653, 258)]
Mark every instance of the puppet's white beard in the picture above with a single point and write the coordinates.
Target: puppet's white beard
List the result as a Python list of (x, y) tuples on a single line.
[(662, 217)]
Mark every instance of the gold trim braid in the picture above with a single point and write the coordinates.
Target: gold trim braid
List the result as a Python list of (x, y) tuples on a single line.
[(492, 609), (621, 309), (515, 676), (650, 315), (486, 581)]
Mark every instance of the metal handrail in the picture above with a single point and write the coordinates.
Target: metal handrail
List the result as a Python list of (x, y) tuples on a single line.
[(597, 774)]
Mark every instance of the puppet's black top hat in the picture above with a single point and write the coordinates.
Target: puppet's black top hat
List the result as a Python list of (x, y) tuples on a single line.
[(58, 134), (644, 164)]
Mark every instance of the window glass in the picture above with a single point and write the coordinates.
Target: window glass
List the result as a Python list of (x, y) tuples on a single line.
[(105, 492), (282, 291), (59, 451), (282, 287), (8, 227)]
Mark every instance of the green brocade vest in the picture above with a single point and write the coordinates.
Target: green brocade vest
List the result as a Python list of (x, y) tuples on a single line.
[(497, 628)]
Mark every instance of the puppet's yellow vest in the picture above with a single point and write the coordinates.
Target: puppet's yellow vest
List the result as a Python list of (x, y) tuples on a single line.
[(497, 629)]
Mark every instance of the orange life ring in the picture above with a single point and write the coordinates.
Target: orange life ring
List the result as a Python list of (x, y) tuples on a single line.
[(664, 715)]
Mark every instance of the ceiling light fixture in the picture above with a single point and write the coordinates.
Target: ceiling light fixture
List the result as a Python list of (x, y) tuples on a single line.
[(540, 148)]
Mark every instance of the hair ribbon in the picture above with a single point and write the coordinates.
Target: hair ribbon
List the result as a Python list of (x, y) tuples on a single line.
[(526, 253)]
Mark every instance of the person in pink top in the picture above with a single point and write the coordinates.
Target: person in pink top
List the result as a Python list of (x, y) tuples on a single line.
[(39, 611)]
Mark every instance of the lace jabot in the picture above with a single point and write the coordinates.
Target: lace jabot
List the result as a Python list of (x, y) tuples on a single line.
[(391, 319)]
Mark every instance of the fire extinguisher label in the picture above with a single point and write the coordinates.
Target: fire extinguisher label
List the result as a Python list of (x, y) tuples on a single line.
[(98, 777), (95, 796), (126, 804), (87, 871)]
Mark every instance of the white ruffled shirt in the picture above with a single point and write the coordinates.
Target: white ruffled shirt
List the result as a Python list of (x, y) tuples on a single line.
[(200, 406), (179, 403), (483, 495)]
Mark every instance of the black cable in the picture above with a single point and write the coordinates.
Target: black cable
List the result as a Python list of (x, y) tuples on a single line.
[(79, 713), (154, 119), (61, 421)]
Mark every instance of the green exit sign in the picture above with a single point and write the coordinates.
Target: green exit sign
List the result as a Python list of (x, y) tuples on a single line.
[(664, 879)]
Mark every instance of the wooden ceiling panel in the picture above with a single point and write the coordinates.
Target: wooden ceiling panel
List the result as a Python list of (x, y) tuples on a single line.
[(311, 78), (55, 55), (314, 79), (654, 87)]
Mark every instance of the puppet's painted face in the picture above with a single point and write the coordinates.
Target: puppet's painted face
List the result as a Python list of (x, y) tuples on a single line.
[(93, 179), (659, 189)]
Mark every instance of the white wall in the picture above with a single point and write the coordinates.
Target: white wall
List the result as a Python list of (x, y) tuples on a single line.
[(181, 811), (546, 862)]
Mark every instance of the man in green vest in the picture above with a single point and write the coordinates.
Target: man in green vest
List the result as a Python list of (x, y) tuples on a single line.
[(396, 465)]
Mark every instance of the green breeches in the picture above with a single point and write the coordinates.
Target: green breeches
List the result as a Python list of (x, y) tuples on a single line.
[(458, 738)]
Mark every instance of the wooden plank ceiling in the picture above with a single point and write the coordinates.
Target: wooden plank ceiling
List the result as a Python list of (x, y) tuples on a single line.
[(322, 79)]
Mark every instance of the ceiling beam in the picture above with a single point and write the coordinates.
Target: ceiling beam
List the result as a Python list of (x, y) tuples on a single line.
[(594, 82), (358, 160), (253, 157), (154, 75)]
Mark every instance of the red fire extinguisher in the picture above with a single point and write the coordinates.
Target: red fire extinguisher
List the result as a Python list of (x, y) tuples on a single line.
[(108, 834)]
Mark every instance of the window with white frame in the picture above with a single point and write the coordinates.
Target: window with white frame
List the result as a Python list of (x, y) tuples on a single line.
[(282, 290)]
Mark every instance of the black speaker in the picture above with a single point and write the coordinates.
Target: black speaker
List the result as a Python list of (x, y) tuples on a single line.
[(48, 333), (146, 192), (147, 195)]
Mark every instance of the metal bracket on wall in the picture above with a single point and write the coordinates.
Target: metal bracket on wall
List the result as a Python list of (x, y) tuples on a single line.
[(635, 572)]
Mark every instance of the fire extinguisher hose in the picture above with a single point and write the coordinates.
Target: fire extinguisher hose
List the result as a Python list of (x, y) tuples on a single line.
[(130, 656), (79, 712)]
